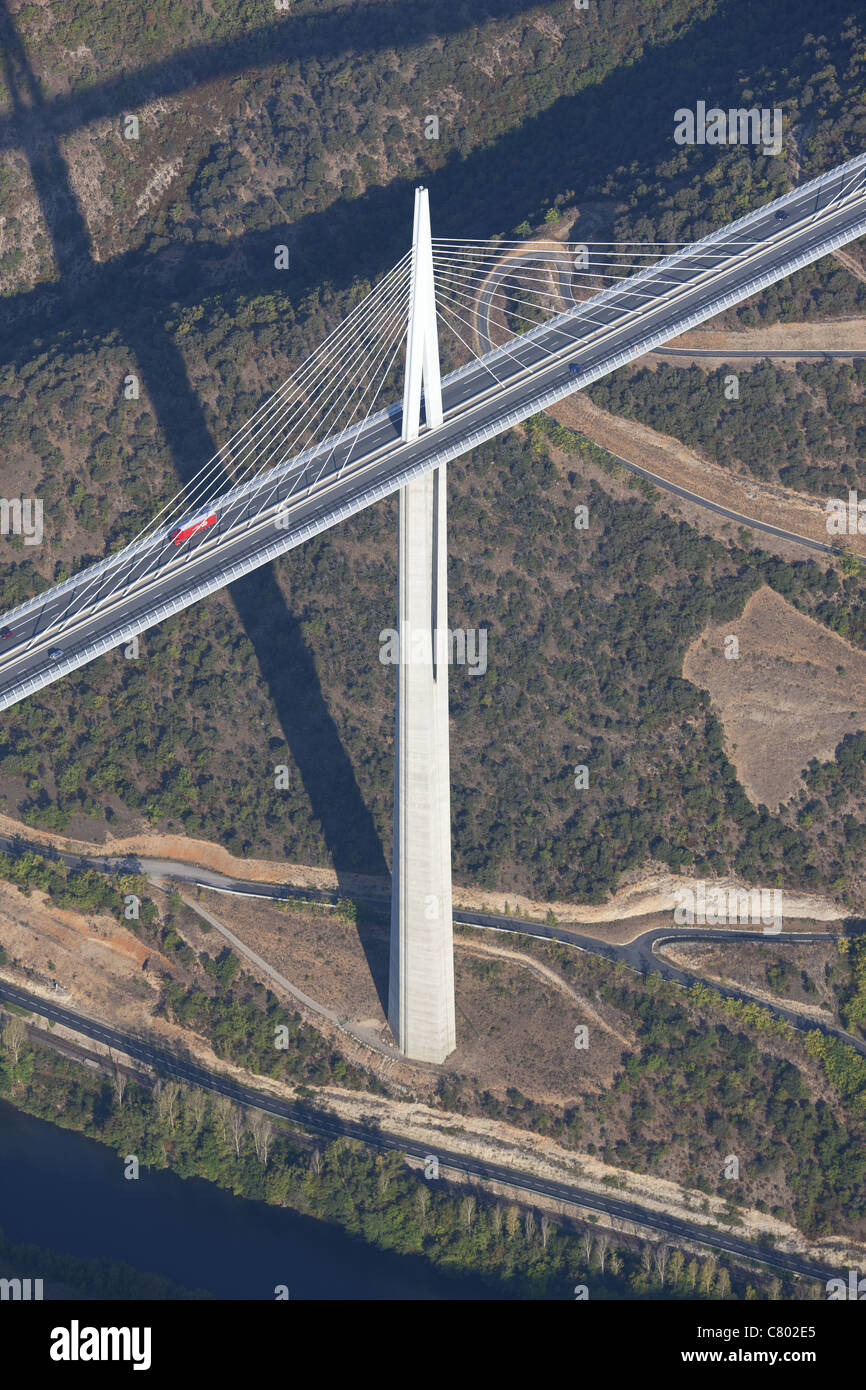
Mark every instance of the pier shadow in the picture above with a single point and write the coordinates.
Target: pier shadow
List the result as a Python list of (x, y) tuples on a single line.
[(326, 771), (491, 189)]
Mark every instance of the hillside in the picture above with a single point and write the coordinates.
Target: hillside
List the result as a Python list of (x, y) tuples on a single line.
[(155, 257)]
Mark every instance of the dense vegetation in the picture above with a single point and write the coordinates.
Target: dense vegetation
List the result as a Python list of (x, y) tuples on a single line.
[(82, 889), (589, 626), (804, 428), (711, 1077), (514, 1252), (327, 104), (88, 1278), (242, 1029), (853, 1000)]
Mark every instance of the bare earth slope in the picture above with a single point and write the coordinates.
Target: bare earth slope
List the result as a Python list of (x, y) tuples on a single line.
[(791, 695)]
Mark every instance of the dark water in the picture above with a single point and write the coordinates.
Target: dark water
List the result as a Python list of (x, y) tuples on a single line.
[(63, 1191)]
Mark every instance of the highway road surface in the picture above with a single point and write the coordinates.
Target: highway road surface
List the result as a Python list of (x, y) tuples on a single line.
[(562, 272), (483, 310), (106, 604), (331, 1126)]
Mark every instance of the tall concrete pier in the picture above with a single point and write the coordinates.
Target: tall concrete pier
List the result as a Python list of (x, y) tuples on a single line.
[(421, 983)]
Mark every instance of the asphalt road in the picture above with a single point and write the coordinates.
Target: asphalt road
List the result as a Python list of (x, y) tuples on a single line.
[(725, 356), (309, 1117), (101, 606), (639, 955), (562, 270), (749, 521)]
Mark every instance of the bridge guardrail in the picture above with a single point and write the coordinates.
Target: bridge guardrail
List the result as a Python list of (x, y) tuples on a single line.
[(233, 494), (222, 576)]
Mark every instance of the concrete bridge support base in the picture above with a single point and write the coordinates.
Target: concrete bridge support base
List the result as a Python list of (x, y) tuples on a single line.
[(421, 986)]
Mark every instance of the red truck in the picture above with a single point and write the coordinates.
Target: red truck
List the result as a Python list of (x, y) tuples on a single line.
[(191, 525)]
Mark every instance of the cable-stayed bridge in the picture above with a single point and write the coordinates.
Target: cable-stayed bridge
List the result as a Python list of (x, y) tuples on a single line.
[(325, 446), (284, 495)]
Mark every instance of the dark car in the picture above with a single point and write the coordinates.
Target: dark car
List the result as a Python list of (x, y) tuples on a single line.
[(55, 654), (574, 368), (5, 634), (781, 215)]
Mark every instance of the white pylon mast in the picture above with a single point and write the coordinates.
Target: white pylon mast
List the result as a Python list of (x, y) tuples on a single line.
[(422, 339), (421, 1008)]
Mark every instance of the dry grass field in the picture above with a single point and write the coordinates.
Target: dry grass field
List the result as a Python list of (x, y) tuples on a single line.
[(791, 695)]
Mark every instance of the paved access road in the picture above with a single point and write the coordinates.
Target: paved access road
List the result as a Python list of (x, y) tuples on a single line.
[(561, 269), (857, 356), (331, 1126), (742, 520), (639, 955), (104, 605)]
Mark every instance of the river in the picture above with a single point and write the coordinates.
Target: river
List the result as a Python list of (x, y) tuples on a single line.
[(63, 1191)]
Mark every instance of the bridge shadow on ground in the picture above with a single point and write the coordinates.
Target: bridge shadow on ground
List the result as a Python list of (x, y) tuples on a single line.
[(328, 777), (344, 29), (490, 189), (288, 667)]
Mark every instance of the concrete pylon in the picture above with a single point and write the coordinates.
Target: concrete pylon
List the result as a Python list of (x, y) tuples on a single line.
[(421, 983), (422, 339)]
